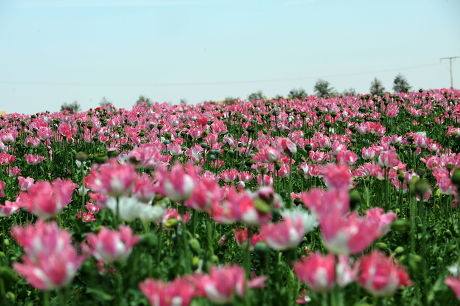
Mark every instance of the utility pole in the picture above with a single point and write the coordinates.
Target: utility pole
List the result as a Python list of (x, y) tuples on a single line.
[(450, 58)]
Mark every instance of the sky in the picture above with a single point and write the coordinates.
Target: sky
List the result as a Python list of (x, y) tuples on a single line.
[(57, 51)]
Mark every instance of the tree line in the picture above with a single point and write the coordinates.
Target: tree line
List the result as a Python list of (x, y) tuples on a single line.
[(322, 88)]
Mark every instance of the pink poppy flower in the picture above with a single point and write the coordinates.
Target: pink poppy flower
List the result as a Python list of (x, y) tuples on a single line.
[(454, 284), (45, 199), (317, 271), (241, 237), (50, 260), (380, 275), (8, 209), (288, 233), (223, 283), (25, 183), (159, 293), (337, 176), (112, 179), (178, 184), (109, 245), (349, 234)]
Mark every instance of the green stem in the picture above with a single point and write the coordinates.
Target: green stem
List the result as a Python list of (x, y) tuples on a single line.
[(46, 298), (247, 254)]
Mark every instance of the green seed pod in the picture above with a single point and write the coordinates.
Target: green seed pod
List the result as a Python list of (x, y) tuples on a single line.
[(81, 156), (401, 177), (456, 177), (171, 223), (261, 248), (421, 187), (399, 250), (277, 165), (400, 225), (261, 206), (381, 245), (100, 158), (112, 153), (10, 296), (214, 259), (195, 245), (195, 262), (150, 239)]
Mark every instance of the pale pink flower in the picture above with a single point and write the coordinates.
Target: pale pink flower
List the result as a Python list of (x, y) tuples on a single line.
[(175, 293), (25, 183), (45, 199), (8, 209), (223, 283), (380, 275), (337, 176), (50, 260), (288, 233), (241, 237), (112, 178), (34, 159), (349, 234), (110, 246), (317, 271), (178, 184)]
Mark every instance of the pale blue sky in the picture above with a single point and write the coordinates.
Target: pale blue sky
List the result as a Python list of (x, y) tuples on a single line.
[(55, 51)]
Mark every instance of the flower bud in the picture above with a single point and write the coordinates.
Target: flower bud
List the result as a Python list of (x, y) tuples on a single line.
[(261, 247), (399, 250), (195, 262), (195, 245)]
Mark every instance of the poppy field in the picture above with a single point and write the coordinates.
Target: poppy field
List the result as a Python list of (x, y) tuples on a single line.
[(346, 200)]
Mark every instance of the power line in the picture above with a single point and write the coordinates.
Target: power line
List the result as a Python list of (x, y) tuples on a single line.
[(206, 83), (450, 58)]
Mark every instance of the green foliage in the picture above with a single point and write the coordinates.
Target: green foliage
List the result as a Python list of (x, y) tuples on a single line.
[(145, 100), (258, 95), (323, 89), (349, 92), (73, 107), (400, 84), (297, 93), (377, 87)]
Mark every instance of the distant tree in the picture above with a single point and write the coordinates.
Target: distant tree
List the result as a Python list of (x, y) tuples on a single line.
[(73, 107), (400, 84), (256, 96), (278, 97), (183, 101), (230, 100), (323, 88), (105, 102), (349, 92), (297, 93), (377, 87), (142, 99)]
